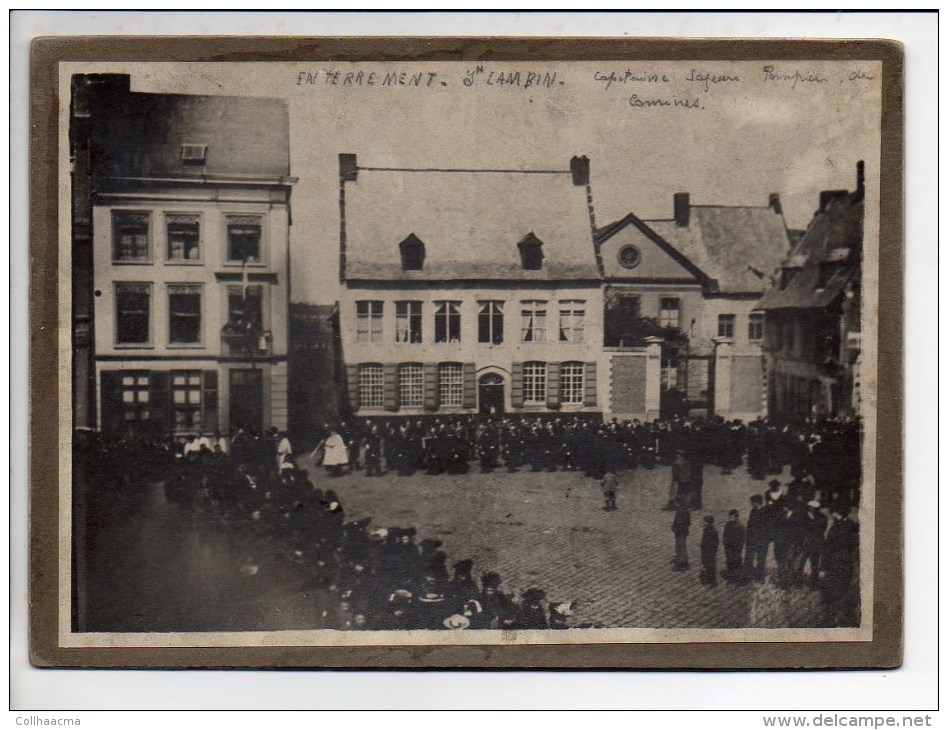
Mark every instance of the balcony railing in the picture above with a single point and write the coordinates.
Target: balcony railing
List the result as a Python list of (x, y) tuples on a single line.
[(237, 341)]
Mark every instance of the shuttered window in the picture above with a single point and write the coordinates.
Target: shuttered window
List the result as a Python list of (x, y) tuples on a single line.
[(572, 382), (534, 382), (371, 386), (450, 384), (411, 385)]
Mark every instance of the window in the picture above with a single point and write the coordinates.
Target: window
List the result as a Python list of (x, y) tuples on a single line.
[(448, 322), (244, 233), (533, 321), (193, 154), (408, 322), (630, 257), (572, 314), (186, 399), (132, 314), (371, 386), (369, 321), (534, 382), (130, 236), (184, 237), (411, 386), (135, 398), (755, 327), (531, 252), (184, 308), (245, 308), (490, 322), (572, 382), (726, 325), (450, 384), (413, 253), (669, 314)]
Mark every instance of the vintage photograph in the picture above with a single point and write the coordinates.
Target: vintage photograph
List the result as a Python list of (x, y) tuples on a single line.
[(451, 352)]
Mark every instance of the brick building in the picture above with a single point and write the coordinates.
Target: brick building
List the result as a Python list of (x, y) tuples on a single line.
[(189, 231)]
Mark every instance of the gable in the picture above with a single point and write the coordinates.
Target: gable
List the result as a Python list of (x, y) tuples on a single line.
[(654, 261)]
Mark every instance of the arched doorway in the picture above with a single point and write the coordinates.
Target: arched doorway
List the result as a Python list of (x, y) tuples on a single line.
[(490, 393)]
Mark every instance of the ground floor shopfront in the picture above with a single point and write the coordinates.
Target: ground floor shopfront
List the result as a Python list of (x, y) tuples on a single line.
[(182, 397)]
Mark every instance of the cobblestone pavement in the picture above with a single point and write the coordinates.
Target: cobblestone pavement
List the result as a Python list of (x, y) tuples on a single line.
[(549, 530)]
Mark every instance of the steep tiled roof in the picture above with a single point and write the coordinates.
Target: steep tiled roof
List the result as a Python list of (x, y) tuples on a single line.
[(738, 247), (470, 222), (827, 257)]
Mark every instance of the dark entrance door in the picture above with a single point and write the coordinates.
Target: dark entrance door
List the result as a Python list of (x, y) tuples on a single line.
[(246, 400), (490, 393)]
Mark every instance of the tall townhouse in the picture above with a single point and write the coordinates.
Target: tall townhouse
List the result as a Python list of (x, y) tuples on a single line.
[(190, 260)]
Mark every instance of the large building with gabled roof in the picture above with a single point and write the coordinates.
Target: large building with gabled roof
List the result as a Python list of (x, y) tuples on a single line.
[(469, 290), (697, 278)]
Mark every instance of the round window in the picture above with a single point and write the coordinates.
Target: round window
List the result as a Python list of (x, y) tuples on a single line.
[(630, 256)]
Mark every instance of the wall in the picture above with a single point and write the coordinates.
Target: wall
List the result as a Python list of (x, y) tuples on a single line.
[(487, 357), (747, 387)]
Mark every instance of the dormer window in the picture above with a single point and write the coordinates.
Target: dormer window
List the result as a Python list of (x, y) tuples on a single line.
[(531, 253), (193, 154), (413, 253)]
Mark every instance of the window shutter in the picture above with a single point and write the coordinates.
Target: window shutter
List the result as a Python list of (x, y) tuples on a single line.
[(209, 383), (390, 387), (352, 384), (553, 385), (470, 385), (111, 416), (160, 400), (516, 385), (589, 398), (430, 380)]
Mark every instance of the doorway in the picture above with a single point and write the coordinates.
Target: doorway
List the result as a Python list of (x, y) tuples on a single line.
[(246, 401), (490, 394)]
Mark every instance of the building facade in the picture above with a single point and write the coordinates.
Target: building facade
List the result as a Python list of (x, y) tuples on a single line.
[(813, 313), (190, 261), (693, 283), (469, 291)]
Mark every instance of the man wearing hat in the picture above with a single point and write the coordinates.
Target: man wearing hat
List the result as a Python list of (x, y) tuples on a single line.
[(709, 552), (733, 539), (681, 524), (462, 587), (495, 603), (814, 529), (531, 614)]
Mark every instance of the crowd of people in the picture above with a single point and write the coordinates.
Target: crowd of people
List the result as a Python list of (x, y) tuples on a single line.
[(371, 577)]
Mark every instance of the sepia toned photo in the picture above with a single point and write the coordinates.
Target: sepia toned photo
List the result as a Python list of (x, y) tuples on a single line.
[(468, 353)]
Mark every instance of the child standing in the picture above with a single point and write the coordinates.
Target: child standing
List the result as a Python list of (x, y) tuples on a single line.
[(709, 553), (609, 484)]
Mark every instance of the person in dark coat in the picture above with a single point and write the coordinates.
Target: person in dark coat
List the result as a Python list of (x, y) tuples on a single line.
[(734, 538), (680, 482), (709, 552), (840, 592), (373, 452), (681, 524), (531, 614), (811, 549), (498, 605), (462, 587)]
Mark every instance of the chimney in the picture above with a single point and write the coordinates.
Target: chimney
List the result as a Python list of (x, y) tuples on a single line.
[(773, 202), (860, 179), (579, 167), (348, 167), (682, 209)]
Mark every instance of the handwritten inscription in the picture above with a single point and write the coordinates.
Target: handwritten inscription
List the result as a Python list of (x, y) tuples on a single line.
[(630, 77), (771, 73), (707, 78), (334, 77), (511, 78), (639, 103)]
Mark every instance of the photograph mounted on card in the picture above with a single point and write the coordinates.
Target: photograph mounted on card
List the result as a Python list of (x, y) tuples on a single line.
[(466, 353)]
